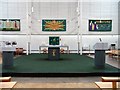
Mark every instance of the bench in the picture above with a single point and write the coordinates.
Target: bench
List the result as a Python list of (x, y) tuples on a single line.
[(106, 85), (111, 79), (5, 79), (7, 85)]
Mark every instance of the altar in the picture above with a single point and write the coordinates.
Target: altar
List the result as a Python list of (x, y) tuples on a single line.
[(47, 46)]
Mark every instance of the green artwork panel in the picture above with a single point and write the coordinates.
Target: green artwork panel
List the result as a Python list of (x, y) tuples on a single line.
[(100, 25), (53, 25), (9, 24), (53, 40)]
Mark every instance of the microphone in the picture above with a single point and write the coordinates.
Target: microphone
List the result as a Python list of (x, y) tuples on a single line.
[(100, 39)]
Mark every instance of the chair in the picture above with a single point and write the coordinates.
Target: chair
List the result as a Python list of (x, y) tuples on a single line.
[(62, 50), (44, 50), (19, 51)]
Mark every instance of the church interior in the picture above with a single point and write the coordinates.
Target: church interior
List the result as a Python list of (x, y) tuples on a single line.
[(60, 44)]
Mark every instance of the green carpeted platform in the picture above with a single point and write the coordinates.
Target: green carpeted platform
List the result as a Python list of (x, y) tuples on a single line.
[(68, 63)]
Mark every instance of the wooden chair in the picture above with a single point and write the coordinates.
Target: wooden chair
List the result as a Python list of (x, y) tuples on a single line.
[(19, 51), (44, 50), (62, 50)]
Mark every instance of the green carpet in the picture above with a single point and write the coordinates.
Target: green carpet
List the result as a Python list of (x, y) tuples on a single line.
[(68, 63)]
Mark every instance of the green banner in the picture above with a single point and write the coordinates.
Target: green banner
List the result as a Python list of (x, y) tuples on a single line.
[(9, 24), (100, 25), (53, 25), (54, 40)]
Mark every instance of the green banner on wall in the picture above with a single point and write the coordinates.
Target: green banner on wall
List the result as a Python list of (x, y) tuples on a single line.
[(53, 25), (9, 24), (54, 40), (100, 25)]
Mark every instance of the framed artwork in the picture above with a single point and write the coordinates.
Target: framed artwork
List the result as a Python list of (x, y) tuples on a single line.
[(53, 25), (9, 24), (100, 25), (54, 40)]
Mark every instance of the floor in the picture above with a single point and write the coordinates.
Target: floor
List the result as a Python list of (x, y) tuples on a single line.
[(83, 82), (57, 80), (56, 85), (72, 82)]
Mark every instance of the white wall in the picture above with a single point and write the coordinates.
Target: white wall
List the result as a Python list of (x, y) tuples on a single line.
[(100, 10), (59, 10), (42, 10), (54, 10), (14, 10), (119, 17), (119, 23), (70, 40)]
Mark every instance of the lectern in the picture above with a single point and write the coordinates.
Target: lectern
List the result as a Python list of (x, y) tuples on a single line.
[(7, 56), (100, 54)]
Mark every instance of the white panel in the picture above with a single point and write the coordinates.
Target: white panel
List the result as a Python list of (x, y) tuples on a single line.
[(14, 10), (100, 10), (54, 10), (44, 40), (21, 40), (60, 0), (38, 40), (70, 40), (61, 10), (90, 40), (119, 25)]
